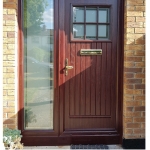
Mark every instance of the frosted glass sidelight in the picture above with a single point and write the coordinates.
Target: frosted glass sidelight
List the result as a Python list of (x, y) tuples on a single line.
[(91, 31), (38, 65), (91, 14), (78, 14)]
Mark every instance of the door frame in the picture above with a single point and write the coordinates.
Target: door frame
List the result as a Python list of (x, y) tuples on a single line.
[(57, 136)]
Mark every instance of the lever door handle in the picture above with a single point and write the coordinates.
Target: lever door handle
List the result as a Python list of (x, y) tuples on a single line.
[(67, 67)]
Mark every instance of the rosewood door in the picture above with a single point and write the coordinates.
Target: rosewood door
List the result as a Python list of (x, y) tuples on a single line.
[(89, 93), (81, 104)]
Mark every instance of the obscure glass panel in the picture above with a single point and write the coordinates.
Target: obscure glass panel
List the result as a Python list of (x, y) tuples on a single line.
[(90, 31), (103, 15), (91, 15), (38, 64), (78, 14), (103, 31), (78, 31)]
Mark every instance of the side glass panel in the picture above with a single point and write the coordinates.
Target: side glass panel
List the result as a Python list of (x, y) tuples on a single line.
[(38, 64)]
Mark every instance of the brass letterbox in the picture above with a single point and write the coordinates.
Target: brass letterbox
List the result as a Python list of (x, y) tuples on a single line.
[(91, 52)]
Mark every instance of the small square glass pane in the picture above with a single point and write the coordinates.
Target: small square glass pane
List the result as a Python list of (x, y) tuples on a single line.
[(91, 15), (103, 31), (78, 31), (90, 31), (103, 15), (78, 14)]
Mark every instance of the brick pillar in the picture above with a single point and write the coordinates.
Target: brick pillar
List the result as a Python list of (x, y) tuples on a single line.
[(9, 63), (134, 70)]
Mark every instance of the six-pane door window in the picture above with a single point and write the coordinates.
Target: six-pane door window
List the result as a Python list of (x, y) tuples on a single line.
[(91, 23)]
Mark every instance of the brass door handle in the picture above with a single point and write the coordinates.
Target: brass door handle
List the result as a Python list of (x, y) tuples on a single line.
[(67, 67)]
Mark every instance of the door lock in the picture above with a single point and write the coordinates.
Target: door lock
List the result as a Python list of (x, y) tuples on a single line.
[(67, 67)]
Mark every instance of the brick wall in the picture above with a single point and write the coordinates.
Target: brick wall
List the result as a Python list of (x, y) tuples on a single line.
[(134, 67), (134, 70), (9, 62)]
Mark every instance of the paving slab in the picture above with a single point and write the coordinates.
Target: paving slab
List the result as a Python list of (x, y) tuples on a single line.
[(63, 147)]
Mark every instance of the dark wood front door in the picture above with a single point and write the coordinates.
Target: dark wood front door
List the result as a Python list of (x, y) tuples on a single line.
[(88, 96), (90, 91)]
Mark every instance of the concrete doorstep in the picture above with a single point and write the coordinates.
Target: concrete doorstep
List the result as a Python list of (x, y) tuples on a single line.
[(63, 147)]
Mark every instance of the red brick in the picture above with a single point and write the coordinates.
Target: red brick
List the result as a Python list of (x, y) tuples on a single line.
[(9, 17), (129, 75), (141, 119), (9, 121), (11, 126), (126, 120), (143, 125), (134, 2), (140, 8), (129, 53), (11, 34), (133, 103), (140, 19), (8, 109), (140, 41), (130, 19), (140, 64), (134, 47), (139, 131), (139, 75), (139, 108), (143, 91), (134, 13), (130, 109), (130, 8), (128, 97), (133, 136), (11, 0), (140, 86), (134, 25), (133, 114), (143, 114), (129, 64), (133, 91), (128, 131), (133, 70), (11, 115), (139, 53), (139, 97), (133, 125), (129, 86), (133, 81), (139, 30), (10, 5), (4, 115), (134, 59)]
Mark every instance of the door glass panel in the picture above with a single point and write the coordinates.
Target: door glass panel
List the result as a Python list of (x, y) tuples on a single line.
[(78, 31), (103, 31), (78, 14), (91, 14), (90, 23), (38, 64), (103, 15), (91, 31)]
